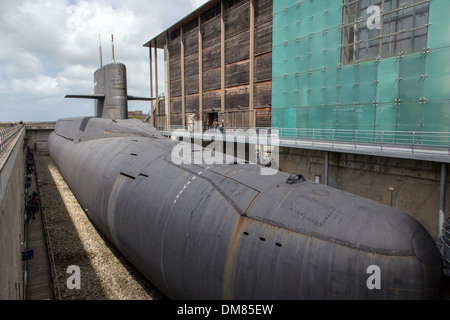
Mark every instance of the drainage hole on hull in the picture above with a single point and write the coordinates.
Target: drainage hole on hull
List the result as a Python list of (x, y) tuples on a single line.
[(127, 176), (143, 175), (262, 239), (133, 154), (246, 233), (278, 244)]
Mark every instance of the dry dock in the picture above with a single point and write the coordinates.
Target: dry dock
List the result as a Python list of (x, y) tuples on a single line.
[(74, 241)]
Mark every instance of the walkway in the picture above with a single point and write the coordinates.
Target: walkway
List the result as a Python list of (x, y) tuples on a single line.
[(426, 146), (39, 285)]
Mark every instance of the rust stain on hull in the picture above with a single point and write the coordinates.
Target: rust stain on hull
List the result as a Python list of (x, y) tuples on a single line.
[(231, 258)]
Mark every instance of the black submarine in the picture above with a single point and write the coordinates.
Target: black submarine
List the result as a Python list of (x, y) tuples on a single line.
[(223, 231)]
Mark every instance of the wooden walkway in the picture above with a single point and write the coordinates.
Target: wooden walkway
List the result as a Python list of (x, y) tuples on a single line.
[(39, 286)]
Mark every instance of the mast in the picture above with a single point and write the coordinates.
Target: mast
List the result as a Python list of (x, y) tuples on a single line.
[(100, 46), (112, 40)]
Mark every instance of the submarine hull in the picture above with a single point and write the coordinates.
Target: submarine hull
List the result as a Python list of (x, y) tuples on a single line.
[(223, 231)]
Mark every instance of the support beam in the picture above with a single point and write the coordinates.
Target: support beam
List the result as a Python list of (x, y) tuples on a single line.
[(183, 100), (152, 113), (200, 70), (252, 63), (156, 79), (222, 56), (442, 193), (168, 84), (326, 167), (151, 71)]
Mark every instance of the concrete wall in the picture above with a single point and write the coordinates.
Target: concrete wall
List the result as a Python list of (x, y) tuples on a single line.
[(12, 235), (409, 185), (36, 137)]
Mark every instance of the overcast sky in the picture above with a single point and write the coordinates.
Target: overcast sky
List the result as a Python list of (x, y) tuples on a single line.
[(50, 48)]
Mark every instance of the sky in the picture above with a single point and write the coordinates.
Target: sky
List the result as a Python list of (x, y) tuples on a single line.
[(50, 48)]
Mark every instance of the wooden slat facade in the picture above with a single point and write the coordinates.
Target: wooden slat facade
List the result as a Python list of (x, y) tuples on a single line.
[(212, 70)]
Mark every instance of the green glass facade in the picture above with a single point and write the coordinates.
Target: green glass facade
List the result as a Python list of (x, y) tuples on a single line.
[(379, 89)]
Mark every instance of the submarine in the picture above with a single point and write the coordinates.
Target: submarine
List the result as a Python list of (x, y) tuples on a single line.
[(226, 232)]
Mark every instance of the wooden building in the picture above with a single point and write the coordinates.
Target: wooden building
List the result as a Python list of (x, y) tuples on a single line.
[(218, 66)]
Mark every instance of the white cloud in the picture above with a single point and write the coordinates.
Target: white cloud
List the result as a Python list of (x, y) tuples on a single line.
[(197, 3), (50, 49), (34, 26), (25, 65), (38, 87)]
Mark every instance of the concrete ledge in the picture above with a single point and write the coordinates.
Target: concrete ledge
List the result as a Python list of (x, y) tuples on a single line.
[(12, 216), (8, 160)]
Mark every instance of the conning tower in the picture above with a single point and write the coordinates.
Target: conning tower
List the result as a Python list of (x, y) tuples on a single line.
[(110, 82), (110, 90)]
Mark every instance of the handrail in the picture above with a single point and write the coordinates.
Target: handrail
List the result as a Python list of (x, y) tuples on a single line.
[(444, 247), (384, 137), (433, 146), (7, 135), (446, 241)]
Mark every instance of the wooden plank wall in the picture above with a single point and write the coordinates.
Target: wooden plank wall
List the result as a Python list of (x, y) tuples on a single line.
[(211, 62), (183, 48)]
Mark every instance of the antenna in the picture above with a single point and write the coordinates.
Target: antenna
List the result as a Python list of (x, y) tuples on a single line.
[(100, 45), (112, 40)]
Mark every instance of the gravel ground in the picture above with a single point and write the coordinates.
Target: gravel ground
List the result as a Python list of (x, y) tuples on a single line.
[(74, 241)]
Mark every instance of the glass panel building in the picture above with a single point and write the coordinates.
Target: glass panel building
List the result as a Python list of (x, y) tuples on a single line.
[(342, 65), (371, 65)]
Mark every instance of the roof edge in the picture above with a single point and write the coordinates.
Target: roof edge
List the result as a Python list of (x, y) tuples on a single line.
[(184, 20)]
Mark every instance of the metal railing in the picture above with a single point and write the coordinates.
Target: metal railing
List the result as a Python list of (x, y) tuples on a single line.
[(411, 139), (444, 247), (446, 240), (413, 143), (7, 135)]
